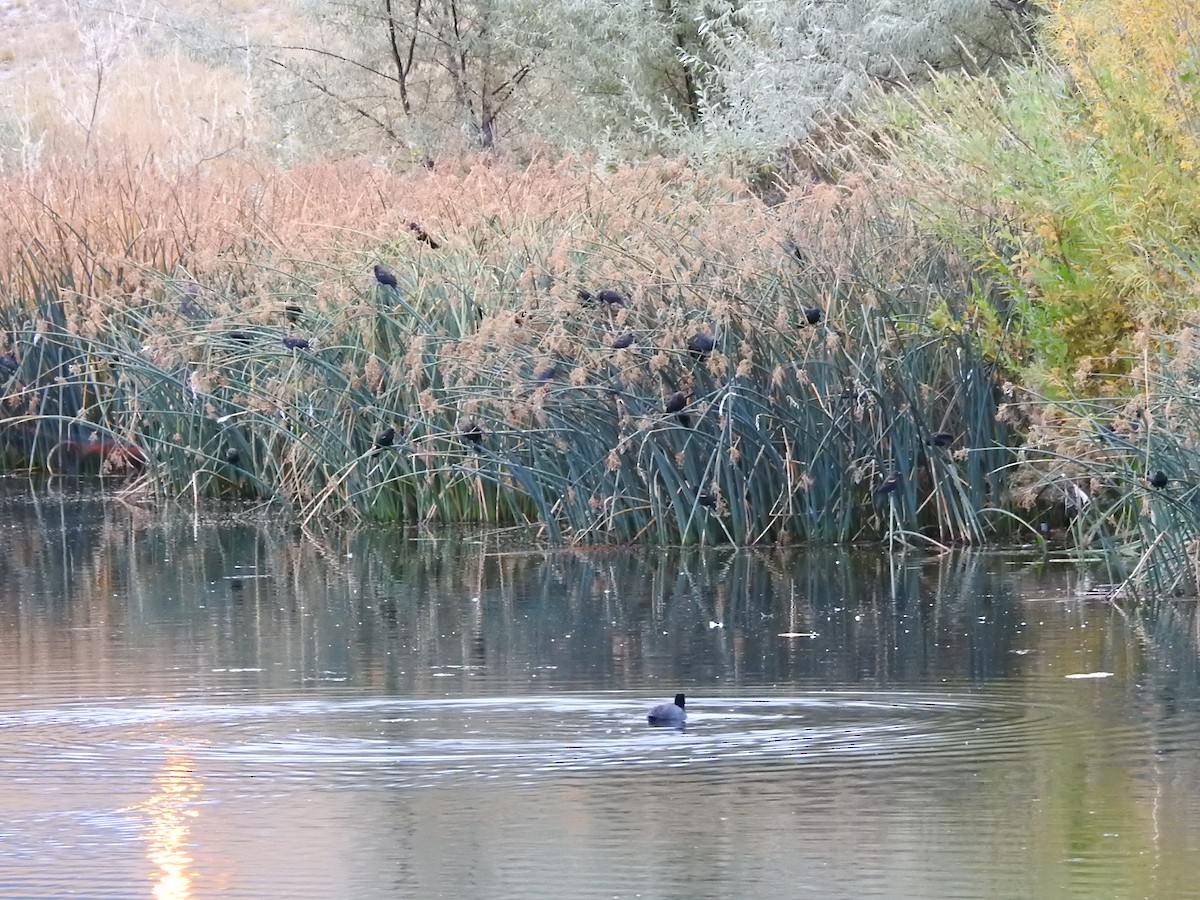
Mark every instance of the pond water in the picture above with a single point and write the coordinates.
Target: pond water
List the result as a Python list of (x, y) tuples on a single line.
[(190, 709)]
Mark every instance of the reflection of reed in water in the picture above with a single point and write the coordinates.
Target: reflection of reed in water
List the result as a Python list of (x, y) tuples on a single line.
[(259, 606)]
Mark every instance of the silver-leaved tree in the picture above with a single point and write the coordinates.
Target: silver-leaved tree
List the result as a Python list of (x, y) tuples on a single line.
[(704, 78)]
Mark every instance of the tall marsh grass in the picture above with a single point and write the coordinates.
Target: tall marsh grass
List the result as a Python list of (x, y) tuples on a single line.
[(222, 334), (1124, 472)]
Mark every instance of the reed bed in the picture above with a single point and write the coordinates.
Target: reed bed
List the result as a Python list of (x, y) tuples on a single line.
[(753, 374), (1122, 473)]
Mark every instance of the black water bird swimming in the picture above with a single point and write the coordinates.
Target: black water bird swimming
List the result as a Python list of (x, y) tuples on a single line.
[(668, 713), (385, 277)]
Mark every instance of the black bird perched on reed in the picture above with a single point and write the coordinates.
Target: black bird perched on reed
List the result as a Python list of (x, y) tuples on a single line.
[(385, 277), (942, 439), (9, 363), (295, 343), (422, 236), (611, 297), (473, 433), (608, 297), (188, 307), (701, 344), (625, 340), (1159, 480), (888, 485), (812, 316), (385, 438), (675, 404)]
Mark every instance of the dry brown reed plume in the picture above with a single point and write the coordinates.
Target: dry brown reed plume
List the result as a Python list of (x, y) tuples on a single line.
[(132, 211), (110, 234)]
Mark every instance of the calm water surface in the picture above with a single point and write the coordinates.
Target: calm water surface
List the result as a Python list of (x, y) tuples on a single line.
[(202, 709)]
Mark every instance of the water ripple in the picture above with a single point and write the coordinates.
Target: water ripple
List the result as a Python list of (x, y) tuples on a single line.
[(336, 740)]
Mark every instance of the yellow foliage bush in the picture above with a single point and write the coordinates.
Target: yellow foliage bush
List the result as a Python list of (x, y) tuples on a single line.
[(1072, 181), (1136, 63)]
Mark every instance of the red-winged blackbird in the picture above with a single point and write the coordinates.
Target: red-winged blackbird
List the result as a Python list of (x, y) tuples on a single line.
[(676, 402), (384, 277), (1159, 480), (422, 236), (889, 484), (385, 438), (701, 344), (295, 343), (625, 340), (812, 316), (473, 433), (704, 498)]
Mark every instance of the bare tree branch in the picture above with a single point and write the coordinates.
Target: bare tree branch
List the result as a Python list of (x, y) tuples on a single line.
[(317, 51), (341, 101), (403, 67)]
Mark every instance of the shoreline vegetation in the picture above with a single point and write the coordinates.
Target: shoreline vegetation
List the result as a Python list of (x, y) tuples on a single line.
[(962, 312)]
